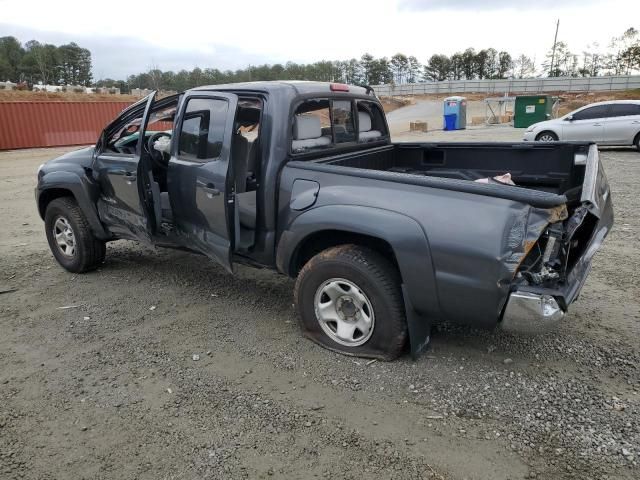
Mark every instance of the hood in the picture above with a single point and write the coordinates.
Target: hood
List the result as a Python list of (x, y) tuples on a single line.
[(82, 157)]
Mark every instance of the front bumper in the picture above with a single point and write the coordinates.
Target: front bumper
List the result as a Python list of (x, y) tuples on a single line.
[(531, 313), (529, 136)]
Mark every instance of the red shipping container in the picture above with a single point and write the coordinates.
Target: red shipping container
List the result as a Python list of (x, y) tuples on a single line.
[(52, 124)]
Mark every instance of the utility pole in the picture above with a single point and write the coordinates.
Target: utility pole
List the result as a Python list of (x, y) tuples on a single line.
[(553, 52)]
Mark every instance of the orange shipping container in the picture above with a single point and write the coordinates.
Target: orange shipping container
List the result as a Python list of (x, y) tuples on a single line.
[(52, 124)]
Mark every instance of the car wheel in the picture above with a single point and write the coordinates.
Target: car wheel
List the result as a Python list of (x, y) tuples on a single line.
[(70, 238), (349, 300), (547, 137), (637, 142)]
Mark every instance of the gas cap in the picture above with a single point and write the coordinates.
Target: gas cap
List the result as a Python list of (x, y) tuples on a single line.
[(303, 194)]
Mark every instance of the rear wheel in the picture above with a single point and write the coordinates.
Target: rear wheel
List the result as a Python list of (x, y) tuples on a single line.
[(349, 300), (547, 137), (70, 238)]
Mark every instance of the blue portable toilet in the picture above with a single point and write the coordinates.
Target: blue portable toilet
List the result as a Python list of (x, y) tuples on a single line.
[(455, 113)]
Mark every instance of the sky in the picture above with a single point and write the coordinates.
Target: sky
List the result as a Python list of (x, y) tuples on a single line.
[(131, 37)]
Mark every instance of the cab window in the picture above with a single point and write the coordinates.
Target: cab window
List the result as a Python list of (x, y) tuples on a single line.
[(203, 127), (342, 121)]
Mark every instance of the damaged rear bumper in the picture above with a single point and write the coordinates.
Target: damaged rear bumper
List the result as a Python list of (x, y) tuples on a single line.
[(531, 313), (536, 308)]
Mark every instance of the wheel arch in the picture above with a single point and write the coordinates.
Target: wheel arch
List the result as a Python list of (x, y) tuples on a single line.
[(67, 184), (50, 194), (548, 130), (320, 240)]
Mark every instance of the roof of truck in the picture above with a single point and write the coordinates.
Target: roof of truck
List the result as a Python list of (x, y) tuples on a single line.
[(300, 86)]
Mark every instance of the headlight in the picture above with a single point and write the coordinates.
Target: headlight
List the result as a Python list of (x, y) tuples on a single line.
[(530, 129), (40, 168)]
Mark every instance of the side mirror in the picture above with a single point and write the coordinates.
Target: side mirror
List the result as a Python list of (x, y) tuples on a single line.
[(569, 118)]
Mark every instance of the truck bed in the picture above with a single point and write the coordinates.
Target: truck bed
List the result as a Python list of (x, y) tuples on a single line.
[(557, 170)]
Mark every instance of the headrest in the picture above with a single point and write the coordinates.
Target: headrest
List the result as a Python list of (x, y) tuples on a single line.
[(364, 121), (306, 126)]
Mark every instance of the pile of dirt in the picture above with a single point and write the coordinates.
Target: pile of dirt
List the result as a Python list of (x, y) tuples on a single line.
[(28, 96), (389, 104)]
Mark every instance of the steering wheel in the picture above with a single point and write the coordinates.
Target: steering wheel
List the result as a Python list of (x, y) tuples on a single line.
[(158, 158)]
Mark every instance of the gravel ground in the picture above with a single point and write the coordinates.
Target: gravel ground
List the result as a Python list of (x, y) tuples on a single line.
[(165, 367)]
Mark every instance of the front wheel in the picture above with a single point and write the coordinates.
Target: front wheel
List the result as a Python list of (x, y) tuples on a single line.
[(547, 137), (70, 238), (349, 300)]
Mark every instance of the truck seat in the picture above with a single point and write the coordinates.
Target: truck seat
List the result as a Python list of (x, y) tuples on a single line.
[(307, 133), (364, 127)]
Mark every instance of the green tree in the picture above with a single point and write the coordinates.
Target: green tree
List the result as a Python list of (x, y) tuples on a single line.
[(399, 66), (75, 64), (11, 53), (438, 68), (469, 63), (505, 64), (40, 63)]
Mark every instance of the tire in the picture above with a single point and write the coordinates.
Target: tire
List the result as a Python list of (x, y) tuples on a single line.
[(637, 142), (547, 136), (75, 249), (357, 286)]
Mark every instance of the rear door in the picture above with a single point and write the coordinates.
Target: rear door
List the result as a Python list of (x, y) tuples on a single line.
[(200, 180), (623, 123), (586, 125)]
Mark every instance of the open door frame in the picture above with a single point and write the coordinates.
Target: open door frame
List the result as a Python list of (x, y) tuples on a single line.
[(148, 187)]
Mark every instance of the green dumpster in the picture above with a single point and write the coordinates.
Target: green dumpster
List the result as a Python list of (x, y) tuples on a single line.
[(530, 109)]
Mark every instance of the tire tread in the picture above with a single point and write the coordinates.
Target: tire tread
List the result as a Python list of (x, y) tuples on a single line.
[(92, 250)]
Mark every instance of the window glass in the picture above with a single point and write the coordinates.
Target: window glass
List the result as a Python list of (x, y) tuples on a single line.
[(624, 110), (599, 111), (124, 139), (322, 123), (203, 129), (342, 121)]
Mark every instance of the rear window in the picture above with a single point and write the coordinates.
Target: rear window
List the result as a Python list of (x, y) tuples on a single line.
[(322, 123), (624, 110)]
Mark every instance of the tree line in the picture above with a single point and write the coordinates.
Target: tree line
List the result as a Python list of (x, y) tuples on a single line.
[(34, 62)]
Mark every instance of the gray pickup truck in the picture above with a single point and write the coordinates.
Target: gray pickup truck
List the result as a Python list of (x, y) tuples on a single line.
[(385, 239)]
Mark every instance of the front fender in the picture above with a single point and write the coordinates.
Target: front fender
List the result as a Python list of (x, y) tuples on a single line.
[(407, 239), (84, 190)]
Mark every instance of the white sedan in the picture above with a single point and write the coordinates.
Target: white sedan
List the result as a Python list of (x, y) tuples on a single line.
[(606, 123)]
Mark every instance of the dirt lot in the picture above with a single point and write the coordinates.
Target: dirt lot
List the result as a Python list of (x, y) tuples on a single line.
[(162, 366)]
